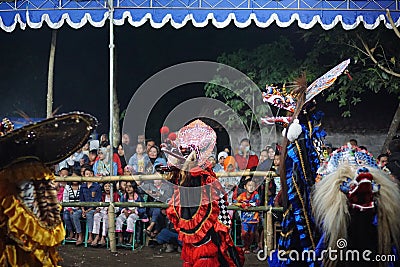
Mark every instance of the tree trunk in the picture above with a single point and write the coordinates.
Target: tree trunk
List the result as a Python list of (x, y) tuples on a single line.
[(50, 74), (392, 130), (116, 129)]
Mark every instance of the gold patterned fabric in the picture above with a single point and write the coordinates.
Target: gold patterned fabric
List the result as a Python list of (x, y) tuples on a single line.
[(29, 234)]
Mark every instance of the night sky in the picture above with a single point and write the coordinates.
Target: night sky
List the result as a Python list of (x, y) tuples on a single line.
[(81, 80)]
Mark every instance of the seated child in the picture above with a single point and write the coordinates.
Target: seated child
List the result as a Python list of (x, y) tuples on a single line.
[(101, 215), (130, 215)]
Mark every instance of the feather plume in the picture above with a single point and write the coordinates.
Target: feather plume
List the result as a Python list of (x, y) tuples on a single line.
[(299, 92), (300, 85), (23, 115), (28, 119), (55, 111)]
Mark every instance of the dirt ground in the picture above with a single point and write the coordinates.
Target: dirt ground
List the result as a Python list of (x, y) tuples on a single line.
[(146, 256)]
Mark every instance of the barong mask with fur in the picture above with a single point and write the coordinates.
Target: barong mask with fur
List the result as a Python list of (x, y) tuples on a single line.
[(353, 185)]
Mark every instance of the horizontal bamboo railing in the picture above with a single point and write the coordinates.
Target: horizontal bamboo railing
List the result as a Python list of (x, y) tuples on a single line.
[(267, 219), (151, 177), (156, 205)]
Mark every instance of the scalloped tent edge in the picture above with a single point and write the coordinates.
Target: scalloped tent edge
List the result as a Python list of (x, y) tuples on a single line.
[(178, 13)]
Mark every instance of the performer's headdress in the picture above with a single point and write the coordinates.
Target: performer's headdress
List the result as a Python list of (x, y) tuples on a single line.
[(196, 136), (27, 190), (295, 100), (50, 141), (352, 180), (350, 155)]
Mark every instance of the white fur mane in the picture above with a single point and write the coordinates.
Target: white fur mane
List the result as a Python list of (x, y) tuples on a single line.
[(332, 215)]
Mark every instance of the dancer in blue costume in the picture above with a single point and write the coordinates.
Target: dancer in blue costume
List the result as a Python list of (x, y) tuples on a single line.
[(301, 157)]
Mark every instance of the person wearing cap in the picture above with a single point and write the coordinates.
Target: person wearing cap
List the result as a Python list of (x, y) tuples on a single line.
[(221, 157)]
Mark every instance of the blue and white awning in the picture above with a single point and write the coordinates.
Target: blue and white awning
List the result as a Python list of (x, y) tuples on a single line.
[(306, 13)]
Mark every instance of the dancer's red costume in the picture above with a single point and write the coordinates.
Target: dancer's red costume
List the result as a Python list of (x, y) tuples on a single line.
[(203, 228)]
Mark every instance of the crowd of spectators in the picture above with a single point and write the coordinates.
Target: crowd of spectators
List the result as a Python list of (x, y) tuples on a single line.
[(143, 158)]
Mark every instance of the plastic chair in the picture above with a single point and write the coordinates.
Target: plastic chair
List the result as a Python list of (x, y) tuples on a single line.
[(86, 234), (132, 246), (65, 238)]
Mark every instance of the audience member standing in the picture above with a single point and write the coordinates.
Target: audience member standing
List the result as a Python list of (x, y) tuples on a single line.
[(250, 220), (246, 159), (129, 149), (394, 159), (102, 166), (121, 154), (140, 159)]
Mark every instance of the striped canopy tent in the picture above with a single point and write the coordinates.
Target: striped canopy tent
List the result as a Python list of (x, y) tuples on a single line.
[(306, 13), (220, 13)]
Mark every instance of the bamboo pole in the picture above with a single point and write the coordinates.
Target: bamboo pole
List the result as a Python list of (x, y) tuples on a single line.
[(265, 222), (144, 177), (50, 74), (111, 205), (156, 205), (111, 178), (111, 225), (269, 233)]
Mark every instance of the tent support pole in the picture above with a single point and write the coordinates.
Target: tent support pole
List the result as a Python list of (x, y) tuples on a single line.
[(50, 74), (111, 215)]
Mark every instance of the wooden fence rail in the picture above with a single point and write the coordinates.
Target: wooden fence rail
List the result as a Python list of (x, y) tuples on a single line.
[(111, 205)]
